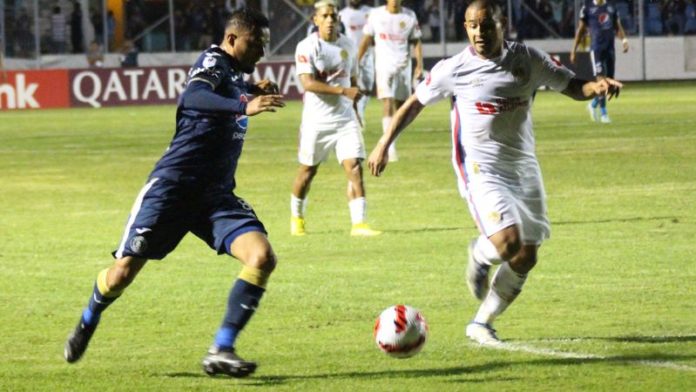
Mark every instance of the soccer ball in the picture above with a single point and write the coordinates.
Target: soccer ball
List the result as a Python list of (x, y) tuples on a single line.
[(400, 331)]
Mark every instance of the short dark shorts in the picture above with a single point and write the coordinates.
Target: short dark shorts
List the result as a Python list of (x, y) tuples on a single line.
[(165, 211)]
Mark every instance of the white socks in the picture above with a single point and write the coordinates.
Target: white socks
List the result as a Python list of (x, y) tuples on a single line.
[(358, 210), (485, 252), (297, 206), (505, 287)]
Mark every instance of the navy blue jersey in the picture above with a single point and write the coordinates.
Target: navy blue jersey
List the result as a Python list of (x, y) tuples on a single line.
[(210, 125), (602, 22)]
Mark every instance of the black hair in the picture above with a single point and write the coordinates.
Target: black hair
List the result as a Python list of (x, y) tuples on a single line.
[(247, 19)]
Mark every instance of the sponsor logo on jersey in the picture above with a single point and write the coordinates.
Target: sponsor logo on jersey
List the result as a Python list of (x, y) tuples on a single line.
[(603, 17), (501, 105)]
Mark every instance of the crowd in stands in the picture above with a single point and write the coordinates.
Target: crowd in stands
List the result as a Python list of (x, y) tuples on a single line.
[(199, 23)]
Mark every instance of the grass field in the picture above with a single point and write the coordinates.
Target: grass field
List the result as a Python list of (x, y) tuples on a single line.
[(610, 306)]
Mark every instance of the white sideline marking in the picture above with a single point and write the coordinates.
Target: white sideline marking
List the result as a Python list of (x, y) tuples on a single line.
[(517, 347)]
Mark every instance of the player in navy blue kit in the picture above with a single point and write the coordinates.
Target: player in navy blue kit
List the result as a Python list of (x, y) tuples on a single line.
[(191, 190), (602, 20)]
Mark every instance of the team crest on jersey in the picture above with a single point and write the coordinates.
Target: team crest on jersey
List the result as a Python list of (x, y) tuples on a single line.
[(402, 25), (138, 244), (344, 54), (603, 17), (209, 61)]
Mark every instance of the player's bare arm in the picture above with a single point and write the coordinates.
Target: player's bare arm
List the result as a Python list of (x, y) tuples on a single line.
[(581, 90), (377, 161), (310, 83), (366, 42), (622, 34), (578, 36), (418, 54)]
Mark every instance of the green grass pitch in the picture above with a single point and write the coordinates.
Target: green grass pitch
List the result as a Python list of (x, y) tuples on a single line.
[(610, 306)]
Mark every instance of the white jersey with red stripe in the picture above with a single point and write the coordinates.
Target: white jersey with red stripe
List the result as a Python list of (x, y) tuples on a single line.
[(392, 34), (354, 19), (333, 63), (491, 103)]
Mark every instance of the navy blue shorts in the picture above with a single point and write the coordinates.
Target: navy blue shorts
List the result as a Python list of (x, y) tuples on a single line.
[(603, 61), (165, 211)]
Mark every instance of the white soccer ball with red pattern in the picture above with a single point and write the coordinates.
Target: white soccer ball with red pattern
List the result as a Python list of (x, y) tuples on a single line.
[(400, 331)]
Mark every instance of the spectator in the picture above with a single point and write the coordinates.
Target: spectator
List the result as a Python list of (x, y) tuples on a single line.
[(674, 15), (76, 36), (110, 30), (181, 31), (459, 9), (434, 23), (95, 55), (24, 38), (58, 30), (95, 16), (129, 55)]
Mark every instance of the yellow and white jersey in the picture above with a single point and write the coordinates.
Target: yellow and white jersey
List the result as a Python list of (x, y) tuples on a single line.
[(392, 34), (491, 104), (333, 63)]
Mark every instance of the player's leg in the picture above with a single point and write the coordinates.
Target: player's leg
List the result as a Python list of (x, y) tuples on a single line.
[(596, 71), (608, 59), (153, 230), (298, 198), (110, 283), (350, 152), (253, 249), (506, 284), (357, 203), (314, 146), (386, 84), (513, 222)]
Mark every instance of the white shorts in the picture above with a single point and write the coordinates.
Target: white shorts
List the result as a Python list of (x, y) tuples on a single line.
[(497, 202), (317, 141), (394, 84)]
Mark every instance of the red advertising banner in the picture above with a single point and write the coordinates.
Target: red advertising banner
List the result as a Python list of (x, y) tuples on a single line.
[(34, 89), (103, 87)]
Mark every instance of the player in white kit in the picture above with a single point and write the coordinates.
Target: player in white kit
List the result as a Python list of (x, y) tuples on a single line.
[(492, 84), (392, 29), (354, 17), (326, 64)]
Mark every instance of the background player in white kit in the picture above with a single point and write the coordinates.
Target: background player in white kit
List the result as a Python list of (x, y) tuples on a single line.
[(392, 29), (492, 85), (326, 64), (354, 17)]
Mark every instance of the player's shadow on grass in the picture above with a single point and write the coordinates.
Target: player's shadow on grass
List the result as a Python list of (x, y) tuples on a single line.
[(467, 374), (477, 370), (671, 219)]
